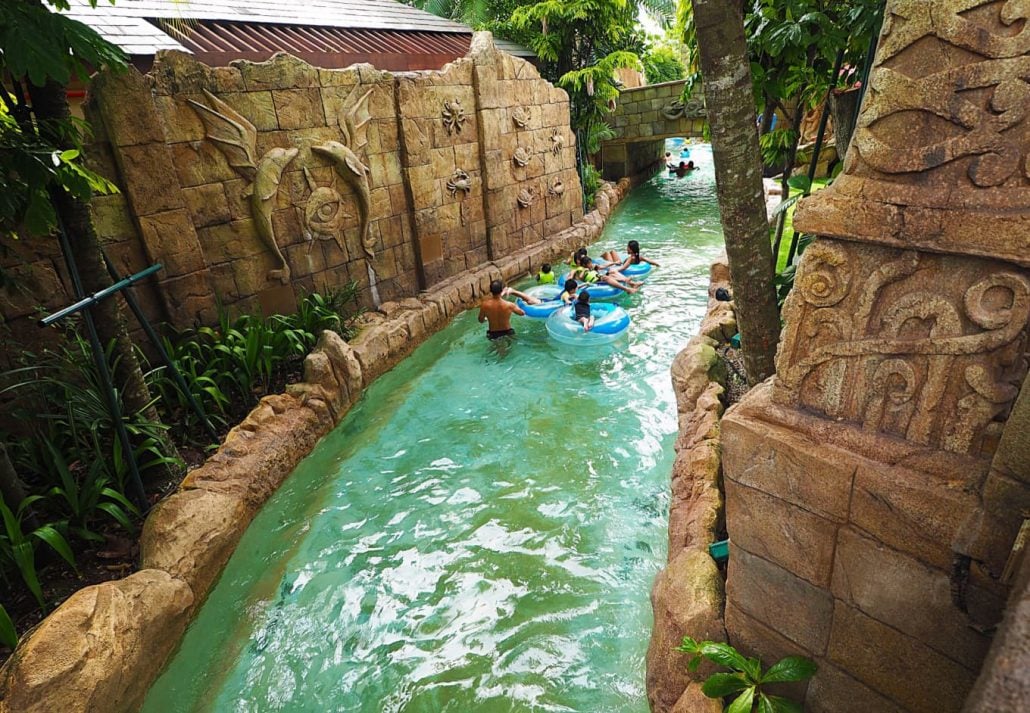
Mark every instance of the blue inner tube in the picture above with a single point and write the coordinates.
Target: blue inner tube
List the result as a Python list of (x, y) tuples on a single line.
[(597, 290), (641, 269), (610, 323), (549, 301)]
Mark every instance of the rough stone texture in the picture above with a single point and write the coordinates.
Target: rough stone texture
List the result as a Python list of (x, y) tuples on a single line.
[(241, 180), (687, 597), (687, 601), (640, 109), (893, 420), (1004, 683), (693, 701), (191, 535), (100, 650)]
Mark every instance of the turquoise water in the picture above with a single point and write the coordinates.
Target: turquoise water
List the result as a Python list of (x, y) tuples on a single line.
[(481, 532)]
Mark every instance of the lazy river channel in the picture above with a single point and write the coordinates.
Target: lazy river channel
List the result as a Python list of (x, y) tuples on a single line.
[(481, 532)]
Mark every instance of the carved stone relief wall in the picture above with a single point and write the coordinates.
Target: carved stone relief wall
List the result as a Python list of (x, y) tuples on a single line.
[(875, 337), (942, 146), (257, 182), (527, 147), (867, 493)]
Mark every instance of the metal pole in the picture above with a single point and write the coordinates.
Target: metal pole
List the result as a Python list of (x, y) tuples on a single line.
[(98, 296), (817, 149), (100, 359), (180, 382)]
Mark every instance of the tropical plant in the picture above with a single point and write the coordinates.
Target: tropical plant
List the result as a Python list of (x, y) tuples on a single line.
[(46, 185), (747, 682), (591, 183), (8, 634), (663, 63), (18, 548)]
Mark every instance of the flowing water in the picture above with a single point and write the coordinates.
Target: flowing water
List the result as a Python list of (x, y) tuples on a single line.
[(481, 532)]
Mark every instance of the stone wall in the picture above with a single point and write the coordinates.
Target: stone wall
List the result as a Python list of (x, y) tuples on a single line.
[(103, 647), (632, 159), (258, 182), (876, 487), (656, 111), (688, 598)]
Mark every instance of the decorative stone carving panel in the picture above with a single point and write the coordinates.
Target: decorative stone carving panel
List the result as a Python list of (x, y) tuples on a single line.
[(941, 154), (928, 348)]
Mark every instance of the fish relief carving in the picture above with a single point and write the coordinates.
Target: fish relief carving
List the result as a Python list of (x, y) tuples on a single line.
[(236, 138), (453, 116), (521, 157), (459, 181), (557, 142), (345, 159), (520, 116)]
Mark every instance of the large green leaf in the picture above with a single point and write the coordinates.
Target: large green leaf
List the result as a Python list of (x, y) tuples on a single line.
[(57, 543), (724, 655), (720, 685), (8, 634), (764, 704), (792, 668), (743, 703)]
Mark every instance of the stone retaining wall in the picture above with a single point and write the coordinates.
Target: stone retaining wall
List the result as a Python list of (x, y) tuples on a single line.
[(257, 183), (103, 647), (688, 595)]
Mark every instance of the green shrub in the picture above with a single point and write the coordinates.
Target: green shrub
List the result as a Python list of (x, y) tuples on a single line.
[(663, 64), (591, 183), (229, 367), (747, 681)]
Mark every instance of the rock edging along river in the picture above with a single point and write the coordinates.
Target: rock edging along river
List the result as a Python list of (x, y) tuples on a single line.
[(481, 531)]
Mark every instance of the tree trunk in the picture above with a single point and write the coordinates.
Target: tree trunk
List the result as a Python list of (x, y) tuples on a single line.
[(50, 106), (738, 176)]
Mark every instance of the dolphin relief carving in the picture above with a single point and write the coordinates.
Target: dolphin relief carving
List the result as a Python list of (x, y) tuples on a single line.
[(236, 138), (344, 157)]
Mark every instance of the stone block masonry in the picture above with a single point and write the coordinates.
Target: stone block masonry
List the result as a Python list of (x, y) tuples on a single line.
[(254, 184), (876, 488)]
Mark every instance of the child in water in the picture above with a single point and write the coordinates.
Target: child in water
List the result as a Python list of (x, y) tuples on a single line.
[(545, 276), (587, 272), (570, 292), (581, 311), (633, 257)]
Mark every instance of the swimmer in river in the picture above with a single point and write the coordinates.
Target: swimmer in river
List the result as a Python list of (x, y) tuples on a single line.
[(497, 311)]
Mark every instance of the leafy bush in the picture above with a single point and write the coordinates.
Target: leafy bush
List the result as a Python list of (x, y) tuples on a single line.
[(747, 681), (229, 367), (591, 183), (663, 64)]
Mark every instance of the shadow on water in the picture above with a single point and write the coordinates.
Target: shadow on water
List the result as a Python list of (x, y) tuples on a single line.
[(481, 531)]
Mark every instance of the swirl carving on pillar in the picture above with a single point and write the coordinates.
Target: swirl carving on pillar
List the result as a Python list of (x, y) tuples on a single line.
[(891, 346)]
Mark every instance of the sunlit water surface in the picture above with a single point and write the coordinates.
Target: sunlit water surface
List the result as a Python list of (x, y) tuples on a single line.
[(481, 532)]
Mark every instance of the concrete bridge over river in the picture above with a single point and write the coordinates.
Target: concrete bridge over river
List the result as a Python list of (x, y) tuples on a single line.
[(643, 119)]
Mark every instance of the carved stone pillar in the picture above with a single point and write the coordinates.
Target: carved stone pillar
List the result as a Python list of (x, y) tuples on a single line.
[(870, 528)]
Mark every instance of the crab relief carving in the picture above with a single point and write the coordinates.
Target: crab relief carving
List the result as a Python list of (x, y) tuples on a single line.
[(521, 157), (453, 116), (526, 197), (556, 188), (236, 138), (520, 116), (459, 181), (557, 142)]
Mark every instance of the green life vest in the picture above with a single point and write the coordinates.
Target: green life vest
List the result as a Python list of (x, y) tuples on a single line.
[(546, 278)]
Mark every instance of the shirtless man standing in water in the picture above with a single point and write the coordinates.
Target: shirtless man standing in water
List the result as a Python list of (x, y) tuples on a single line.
[(498, 311)]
